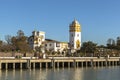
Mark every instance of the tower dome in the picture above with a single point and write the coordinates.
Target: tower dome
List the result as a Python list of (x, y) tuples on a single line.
[(75, 23), (75, 26)]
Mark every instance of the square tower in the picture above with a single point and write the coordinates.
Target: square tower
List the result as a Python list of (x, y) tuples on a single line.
[(75, 35)]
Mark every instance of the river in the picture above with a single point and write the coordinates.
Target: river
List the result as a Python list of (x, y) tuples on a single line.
[(96, 73)]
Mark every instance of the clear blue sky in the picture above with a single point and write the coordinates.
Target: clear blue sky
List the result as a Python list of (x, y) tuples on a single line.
[(99, 19)]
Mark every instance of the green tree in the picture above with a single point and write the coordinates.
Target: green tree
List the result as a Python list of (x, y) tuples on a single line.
[(0, 45), (20, 33), (118, 43), (20, 43), (88, 48), (111, 44)]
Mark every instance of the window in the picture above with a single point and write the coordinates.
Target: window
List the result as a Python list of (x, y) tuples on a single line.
[(39, 40), (57, 44), (72, 35), (31, 40), (50, 44), (72, 42), (77, 35)]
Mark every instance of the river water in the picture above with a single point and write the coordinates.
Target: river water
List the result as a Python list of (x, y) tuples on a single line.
[(101, 73)]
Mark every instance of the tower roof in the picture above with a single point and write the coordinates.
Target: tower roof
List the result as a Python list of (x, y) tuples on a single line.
[(75, 23)]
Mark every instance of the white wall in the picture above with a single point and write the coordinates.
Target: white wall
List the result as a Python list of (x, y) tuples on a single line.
[(73, 38)]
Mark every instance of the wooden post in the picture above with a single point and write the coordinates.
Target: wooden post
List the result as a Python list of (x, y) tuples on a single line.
[(68, 64), (0, 65), (40, 65), (109, 63), (33, 65), (106, 62), (77, 64), (98, 64), (21, 65), (57, 64), (46, 65), (63, 64), (113, 63), (92, 63), (86, 64), (6, 66), (119, 62), (81, 64), (28, 64), (53, 63), (13, 65), (74, 63), (102, 63)]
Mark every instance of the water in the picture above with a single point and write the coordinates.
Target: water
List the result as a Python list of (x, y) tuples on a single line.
[(101, 73)]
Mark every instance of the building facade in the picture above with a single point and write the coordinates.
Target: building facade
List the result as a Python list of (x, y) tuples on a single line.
[(53, 45), (37, 39)]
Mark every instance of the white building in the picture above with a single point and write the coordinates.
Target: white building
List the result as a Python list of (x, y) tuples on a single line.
[(37, 38), (52, 45), (74, 35)]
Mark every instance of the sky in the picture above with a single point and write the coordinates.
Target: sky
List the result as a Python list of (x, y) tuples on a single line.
[(99, 19)]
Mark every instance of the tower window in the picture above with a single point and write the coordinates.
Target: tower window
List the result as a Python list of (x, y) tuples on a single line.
[(72, 41), (72, 35), (77, 35)]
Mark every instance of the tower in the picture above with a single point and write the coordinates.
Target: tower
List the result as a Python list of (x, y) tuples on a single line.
[(37, 39), (75, 35)]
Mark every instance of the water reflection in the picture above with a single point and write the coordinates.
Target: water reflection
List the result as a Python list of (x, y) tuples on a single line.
[(65, 74), (101, 73), (78, 74), (13, 74)]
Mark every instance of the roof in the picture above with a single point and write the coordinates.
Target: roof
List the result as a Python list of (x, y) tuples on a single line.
[(75, 23), (50, 40)]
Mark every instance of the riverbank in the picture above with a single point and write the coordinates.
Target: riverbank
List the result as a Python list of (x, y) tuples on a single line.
[(57, 62)]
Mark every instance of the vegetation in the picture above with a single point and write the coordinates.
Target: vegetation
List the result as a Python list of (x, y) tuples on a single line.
[(15, 43), (88, 48), (19, 43)]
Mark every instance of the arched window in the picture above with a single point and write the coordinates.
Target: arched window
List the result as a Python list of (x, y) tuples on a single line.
[(77, 44)]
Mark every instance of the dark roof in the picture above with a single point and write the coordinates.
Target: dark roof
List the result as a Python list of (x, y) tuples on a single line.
[(50, 40)]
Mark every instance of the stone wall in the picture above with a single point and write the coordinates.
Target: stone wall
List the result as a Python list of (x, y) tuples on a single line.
[(10, 54)]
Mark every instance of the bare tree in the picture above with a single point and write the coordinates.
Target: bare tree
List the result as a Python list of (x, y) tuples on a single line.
[(20, 33), (8, 38)]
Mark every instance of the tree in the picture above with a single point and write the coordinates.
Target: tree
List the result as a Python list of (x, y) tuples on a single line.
[(20, 33), (20, 43), (8, 38), (118, 43), (88, 48), (111, 43), (38, 49), (0, 44)]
